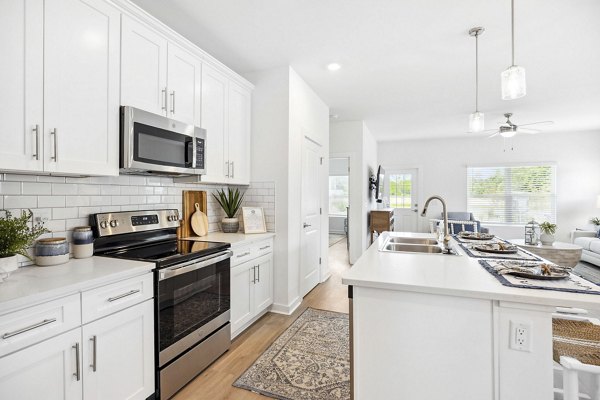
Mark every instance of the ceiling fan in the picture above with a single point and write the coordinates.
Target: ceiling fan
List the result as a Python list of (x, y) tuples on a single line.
[(508, 129)]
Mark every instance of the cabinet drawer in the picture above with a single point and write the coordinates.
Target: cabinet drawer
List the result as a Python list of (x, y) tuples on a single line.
[(242, 254), (32, 325), (105, 300), (264, 247)]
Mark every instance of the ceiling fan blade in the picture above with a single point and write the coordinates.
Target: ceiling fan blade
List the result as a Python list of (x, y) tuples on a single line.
[(495, 134), (528, 130), (539, 123)]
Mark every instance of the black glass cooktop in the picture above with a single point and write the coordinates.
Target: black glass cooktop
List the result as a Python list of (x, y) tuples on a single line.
[(169, 252)]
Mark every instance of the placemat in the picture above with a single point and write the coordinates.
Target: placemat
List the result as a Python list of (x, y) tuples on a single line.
[(573, 284), (468, 247)]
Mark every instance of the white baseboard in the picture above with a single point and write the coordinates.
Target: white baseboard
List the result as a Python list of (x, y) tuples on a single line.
[(286, 309), (327, 276)]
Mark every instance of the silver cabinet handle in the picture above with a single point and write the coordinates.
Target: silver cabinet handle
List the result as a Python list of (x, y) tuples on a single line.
[(227, 166), (28, 328), (232, 170), (264, 248), (36, 130), (123, 295), (173, 102), (305, 225), (77, 373), (55, 134), (254, 274), (93, 364), (258, 268), (164, 99), (243, 254)]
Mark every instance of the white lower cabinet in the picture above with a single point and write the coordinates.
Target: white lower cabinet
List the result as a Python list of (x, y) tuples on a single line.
[(251, 291), (110, 357)]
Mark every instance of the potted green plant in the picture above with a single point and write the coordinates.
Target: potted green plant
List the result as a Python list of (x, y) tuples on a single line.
[(548, 230), (16, 235), (230, 201)]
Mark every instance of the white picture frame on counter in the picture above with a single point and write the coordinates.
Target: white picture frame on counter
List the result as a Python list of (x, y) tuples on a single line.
[(254, 220)]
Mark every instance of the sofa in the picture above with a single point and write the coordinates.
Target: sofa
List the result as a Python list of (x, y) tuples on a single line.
[(459, 221), (590, 242)]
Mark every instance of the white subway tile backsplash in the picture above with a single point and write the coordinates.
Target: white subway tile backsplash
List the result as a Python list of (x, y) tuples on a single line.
[(18, 201), (110, 190), (20, 178), (64, 188), (55, 225), (36, 188), (51, 179), (51, 201), (88, 189), (119, 200), (77, 201), (65, 213), (127, 190), (10, 187), (137, 180), (78, 180), (145, 190)]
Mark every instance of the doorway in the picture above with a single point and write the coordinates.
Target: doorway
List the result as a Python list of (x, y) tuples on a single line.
[(339, 199), (403, 186)]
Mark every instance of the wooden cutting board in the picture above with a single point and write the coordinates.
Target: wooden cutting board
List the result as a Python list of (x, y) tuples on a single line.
[(199, 221), (189, 198)]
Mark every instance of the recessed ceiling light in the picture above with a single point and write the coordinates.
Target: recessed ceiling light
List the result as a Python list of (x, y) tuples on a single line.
[(334, 66)]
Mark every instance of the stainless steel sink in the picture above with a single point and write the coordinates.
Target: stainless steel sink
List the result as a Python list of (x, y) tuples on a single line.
[(412, 240), (411, 248)]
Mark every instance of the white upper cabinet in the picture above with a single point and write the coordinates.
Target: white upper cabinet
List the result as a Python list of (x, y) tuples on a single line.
[(143, 67), (239, 134), (158, 76), (60, 109), (183, 79), (214, 120), (81, 87), (21, 80)]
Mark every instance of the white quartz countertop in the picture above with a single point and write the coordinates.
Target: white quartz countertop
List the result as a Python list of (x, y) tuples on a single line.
[(30, 285), (235, 239), (448, 275)]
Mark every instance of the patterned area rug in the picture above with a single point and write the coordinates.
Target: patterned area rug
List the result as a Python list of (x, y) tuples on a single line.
[(309, 361)]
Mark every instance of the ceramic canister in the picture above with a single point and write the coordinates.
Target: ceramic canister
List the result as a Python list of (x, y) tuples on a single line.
[(51, 251), (83, 242)]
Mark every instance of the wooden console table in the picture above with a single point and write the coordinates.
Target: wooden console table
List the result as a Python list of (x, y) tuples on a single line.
[(560, 253), (382, 221)]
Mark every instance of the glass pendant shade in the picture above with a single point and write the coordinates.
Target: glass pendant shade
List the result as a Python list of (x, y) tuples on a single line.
[(476, 121), (513, 83), (508, 134)]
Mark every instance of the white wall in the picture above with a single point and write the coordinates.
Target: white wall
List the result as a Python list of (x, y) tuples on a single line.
[(352, 139), (284, 110), (443, 165)]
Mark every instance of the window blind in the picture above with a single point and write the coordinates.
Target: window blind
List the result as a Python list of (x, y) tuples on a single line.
[(512, 195)]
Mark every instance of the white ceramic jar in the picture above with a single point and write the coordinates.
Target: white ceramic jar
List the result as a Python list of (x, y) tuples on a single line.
[(83, 242)]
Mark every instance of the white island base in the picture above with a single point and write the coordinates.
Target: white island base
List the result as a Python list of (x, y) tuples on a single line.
[(440, 327)]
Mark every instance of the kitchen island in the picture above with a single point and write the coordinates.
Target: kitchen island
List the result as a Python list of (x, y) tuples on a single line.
[(434, 326)]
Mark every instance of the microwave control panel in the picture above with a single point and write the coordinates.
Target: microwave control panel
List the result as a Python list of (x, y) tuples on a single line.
[(200, 153)]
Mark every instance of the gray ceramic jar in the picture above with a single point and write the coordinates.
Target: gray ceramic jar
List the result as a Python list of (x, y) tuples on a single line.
[(51, 251), (83, 242)]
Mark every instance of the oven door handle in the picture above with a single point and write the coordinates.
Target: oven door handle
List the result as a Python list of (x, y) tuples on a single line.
[(170, 272)]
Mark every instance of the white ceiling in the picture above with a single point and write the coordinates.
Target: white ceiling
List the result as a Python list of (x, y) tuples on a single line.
[(408, 65)]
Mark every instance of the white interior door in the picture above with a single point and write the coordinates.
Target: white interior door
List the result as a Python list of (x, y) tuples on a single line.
[(402, 186), (310, 241)]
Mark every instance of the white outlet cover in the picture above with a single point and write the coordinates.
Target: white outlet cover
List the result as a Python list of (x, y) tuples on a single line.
[(520, 336), (42, 215)]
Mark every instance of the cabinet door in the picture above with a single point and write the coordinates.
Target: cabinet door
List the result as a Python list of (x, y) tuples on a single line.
[(46, 370), (242, 295), (263, 289), (239, 134), (214, 120), (21, 80), (143, 67), (119, 355), (81, 87), (184, 74)]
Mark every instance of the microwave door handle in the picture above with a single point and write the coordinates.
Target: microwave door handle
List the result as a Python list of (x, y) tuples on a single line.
[(190, 159), (171, 272)]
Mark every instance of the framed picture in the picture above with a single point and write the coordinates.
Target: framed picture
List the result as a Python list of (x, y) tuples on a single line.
[(254, 220)]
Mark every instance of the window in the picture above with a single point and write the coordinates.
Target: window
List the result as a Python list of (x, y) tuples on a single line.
[(400, 190), (338, 195), (512, 195)]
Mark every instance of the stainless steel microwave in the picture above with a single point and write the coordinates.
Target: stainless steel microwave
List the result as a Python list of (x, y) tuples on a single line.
[(152, 144)]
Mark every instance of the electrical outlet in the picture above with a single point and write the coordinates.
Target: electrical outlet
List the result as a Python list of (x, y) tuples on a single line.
[(42, 216), (520, 336)]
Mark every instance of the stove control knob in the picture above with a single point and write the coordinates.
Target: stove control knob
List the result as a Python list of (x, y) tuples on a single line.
[(114, 223), (104, 224), (171, 218)]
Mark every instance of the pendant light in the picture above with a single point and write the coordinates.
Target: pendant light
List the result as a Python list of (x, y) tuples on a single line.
[(513, 78), (476, 119)]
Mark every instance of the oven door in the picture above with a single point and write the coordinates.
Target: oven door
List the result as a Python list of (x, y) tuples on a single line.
[(192, 301), (151, 142)]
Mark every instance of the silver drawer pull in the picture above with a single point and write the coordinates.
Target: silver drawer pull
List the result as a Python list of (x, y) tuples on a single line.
[(29, 328), (243, 254), (264, 248), (77, 373), (123, 295), (94, 340)]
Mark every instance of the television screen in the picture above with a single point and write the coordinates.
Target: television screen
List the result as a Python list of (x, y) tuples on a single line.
[(379, 184)]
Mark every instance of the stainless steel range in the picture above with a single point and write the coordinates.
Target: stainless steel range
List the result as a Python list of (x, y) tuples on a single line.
[(191, 290)]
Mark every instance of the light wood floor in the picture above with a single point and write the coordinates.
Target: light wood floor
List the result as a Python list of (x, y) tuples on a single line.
[(215, 383)]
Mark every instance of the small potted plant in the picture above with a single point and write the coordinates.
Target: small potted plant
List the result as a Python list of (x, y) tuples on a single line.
[(548, 230), (17, 234), (230, 201)]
